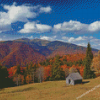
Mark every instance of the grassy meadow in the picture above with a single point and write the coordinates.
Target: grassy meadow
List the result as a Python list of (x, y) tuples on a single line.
[(52, 90)]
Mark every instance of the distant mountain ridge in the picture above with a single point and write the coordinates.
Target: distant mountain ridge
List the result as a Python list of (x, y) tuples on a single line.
[(23, 51)]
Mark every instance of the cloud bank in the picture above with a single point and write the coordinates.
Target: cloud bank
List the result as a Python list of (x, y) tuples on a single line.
[(77, 27), (83, 40), (33, 27), (14, 13), (48, 38), (22, 13)]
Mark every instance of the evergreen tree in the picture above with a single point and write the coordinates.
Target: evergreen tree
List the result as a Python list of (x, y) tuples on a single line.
[(3, 76), (56, 70), (5, 81), (18, 70), (89, 52), (87, 63), (31, 71)]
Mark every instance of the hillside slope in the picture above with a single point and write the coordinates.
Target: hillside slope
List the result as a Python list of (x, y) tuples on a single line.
[(52, 48), (20, 54), (23, 51), (62, 48), (53, 90)]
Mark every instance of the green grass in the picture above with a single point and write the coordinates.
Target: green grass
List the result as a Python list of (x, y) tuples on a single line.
[(52, 90)]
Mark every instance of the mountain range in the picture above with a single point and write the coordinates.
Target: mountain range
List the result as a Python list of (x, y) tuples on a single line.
[(23, 51)]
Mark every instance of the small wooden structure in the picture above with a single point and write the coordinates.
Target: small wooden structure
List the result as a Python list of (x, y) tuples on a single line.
[(74, 78)]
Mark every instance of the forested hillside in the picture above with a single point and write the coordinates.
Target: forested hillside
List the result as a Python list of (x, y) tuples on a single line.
[(23, 51), (56, 68)]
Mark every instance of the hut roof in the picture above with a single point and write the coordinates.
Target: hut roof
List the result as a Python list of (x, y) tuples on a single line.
[(75, 76)]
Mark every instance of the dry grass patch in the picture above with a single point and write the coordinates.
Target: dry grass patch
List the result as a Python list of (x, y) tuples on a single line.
[(52, 90)]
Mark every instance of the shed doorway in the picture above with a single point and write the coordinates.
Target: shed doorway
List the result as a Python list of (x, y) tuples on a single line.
[(69, 81)]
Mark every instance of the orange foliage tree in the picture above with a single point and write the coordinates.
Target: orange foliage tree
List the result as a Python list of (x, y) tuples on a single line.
[(47, 72), (12, 74)]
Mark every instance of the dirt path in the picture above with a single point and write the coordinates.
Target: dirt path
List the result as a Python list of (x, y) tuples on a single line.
[(88, 92)]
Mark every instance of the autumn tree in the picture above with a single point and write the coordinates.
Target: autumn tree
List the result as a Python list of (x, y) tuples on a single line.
[(31, 72), (40, 73), (87, 63), (28, 79), (64, 60), (66, 72), (65, 69), (17, 75), (73, 70), (96, 63), (47, 72)]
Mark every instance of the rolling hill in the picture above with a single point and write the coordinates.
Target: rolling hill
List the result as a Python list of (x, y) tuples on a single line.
[(23, 51), (18, 54), (53, 90)]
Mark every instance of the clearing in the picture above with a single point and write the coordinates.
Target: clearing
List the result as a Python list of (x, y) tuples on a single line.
[(52, 90)]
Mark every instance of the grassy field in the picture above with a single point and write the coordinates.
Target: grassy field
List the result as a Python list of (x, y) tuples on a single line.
[(52, 90)]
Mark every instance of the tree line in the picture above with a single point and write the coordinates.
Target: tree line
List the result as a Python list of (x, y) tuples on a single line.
[(52, 69)]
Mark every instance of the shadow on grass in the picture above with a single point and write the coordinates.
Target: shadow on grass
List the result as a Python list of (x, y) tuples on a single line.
[(26, 89), (20, 90), (84, 82)]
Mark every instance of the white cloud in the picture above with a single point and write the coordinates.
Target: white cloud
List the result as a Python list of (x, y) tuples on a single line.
[(80, 38), (21, 13), (72, 39), (77, 27), (95, 26), (1, 39), (83, 40), (30, 37), (82, 44), (48, 38), (45, 9), (65, 27), (71, 26), (33, 27), (16, 13)]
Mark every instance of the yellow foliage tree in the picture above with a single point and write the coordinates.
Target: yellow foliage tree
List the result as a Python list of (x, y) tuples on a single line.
[(28, 79)]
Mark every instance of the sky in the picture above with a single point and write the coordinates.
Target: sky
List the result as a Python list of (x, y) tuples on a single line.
[(72, 21)]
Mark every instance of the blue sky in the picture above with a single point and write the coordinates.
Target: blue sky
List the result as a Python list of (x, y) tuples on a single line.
[(73, 21)]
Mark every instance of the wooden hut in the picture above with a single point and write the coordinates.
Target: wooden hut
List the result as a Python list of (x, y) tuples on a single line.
[(74, 78)]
